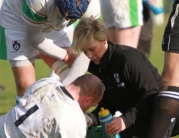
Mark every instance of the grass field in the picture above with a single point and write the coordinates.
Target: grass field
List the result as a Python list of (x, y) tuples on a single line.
[(7, 96)]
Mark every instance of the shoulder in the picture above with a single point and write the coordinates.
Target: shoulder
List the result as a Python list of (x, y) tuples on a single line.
[(128, 57), (41, 83), (128, 53), (38, 5), (37, 10)]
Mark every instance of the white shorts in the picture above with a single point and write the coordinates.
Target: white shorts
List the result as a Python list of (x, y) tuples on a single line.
[(14, 47), (122, 13)]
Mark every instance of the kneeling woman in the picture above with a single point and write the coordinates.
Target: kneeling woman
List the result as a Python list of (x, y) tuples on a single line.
[(131, 81)]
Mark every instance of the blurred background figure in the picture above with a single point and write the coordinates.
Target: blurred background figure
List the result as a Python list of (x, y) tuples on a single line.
[(168, 8), (130, 22), (149, 19), (123, 19), (145, 38), (1, 2)]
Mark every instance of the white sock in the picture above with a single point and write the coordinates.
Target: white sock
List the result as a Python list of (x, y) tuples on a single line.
[(60, 70)]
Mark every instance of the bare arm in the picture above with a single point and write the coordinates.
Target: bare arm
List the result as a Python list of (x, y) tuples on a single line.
[(69, 59)]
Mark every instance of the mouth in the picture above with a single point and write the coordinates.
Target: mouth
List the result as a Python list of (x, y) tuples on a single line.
[(95, 60)]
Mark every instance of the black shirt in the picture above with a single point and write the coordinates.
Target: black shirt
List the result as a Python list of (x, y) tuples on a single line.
[(131, 85)]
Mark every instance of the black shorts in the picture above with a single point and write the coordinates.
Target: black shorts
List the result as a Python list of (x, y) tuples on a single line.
[(170, 40)]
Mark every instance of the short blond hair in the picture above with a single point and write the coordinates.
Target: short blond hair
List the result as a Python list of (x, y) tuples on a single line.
[(86, 31)]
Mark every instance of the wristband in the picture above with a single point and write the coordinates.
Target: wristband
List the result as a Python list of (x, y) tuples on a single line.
[(59, 66)]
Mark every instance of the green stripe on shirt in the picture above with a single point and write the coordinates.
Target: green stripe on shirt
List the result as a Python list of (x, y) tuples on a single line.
[(133, 7), (29, 13), (3, 50)]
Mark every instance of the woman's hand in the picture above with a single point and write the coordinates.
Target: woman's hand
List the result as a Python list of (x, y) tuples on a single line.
[(116, 126)]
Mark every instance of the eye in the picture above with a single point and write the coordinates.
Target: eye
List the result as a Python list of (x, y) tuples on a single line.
[(92, 49)]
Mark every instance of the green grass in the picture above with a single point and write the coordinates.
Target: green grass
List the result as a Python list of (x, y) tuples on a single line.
[(157, 55), (7, 96)]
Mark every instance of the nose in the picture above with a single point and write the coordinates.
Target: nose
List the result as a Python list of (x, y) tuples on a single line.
[(89, 55)]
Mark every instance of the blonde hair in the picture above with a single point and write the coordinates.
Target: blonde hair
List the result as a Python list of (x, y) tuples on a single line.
[(86, 31)]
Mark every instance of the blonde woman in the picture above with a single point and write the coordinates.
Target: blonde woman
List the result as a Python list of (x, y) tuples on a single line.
[(131, 81)]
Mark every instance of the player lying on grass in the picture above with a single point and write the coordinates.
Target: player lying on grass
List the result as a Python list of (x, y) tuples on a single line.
[(48, 109)]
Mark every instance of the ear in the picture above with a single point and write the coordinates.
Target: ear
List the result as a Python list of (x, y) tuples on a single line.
[(87, 100)]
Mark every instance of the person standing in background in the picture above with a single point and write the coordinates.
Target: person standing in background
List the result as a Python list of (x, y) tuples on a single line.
[(123, 19), (146, 33)]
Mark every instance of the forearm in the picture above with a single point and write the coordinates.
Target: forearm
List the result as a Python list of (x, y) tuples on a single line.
[(142, 111), (36, 40), (69, 59)]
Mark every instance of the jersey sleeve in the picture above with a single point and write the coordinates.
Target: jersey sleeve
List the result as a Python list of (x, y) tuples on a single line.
[(93, 9), (34, 11)]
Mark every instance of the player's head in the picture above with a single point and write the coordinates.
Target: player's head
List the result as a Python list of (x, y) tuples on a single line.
[(75, 9), (91, 90), (90, 36)]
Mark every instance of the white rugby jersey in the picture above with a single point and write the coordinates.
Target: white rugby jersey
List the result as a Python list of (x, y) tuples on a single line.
[(38, 12), (46, 110), (35, 12)]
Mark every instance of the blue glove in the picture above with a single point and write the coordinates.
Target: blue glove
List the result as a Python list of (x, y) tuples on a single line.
[(72, 9)]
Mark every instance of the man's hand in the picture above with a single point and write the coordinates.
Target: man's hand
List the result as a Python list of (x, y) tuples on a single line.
[(70, 57), (91, 119), (116, 126)]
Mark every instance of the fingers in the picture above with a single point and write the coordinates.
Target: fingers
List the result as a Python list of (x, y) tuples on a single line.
[(116, 126), (113, 128)]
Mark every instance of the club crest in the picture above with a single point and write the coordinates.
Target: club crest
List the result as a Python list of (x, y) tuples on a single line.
[(16, 45)]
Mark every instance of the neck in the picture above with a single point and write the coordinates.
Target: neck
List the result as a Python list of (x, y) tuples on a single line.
[(74, 91)]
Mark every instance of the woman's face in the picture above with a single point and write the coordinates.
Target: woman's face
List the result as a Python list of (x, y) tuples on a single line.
[(95, 50)]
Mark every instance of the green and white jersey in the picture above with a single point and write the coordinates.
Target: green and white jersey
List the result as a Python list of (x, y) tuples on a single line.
[(35, 12), (38, 12)]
